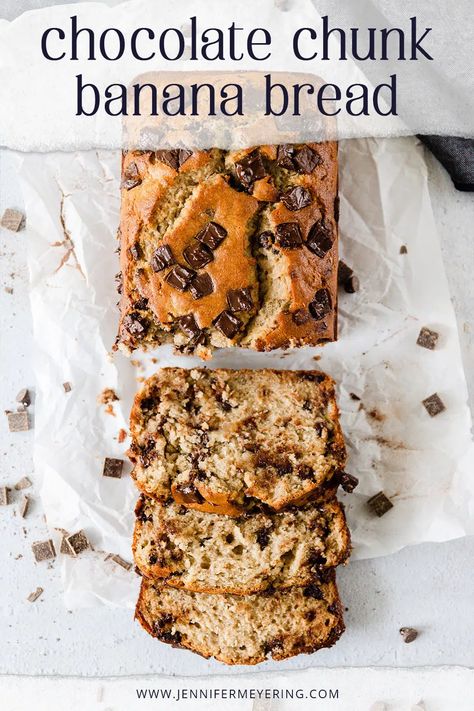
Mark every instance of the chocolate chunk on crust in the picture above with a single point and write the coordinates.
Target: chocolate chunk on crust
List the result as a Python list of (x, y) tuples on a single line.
[(228, 324), (296, 198), (288, 235)]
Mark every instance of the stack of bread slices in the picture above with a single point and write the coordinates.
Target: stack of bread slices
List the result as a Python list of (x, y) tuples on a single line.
[(238, 529)]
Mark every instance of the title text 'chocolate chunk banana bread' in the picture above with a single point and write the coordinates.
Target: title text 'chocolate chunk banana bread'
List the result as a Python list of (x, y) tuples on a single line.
[(222, 248), (223, 440), (243, 630)]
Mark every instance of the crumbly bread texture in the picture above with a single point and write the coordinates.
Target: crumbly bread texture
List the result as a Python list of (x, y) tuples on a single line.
[(221, 440), (243, 629), (221, 248), (212, 553)]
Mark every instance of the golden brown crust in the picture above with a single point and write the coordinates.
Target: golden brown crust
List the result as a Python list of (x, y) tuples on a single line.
[(166, 205)]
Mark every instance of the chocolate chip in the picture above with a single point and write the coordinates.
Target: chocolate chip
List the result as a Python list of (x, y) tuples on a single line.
[(180, 277), (131, 177), (201, 285), (173, 158), (43, 550), (198, 255), (289, 235), (250, 168), (119, 282), (135, 324), (77, 542), (409, 634), (427, 339), (352, 285), (296, 198), (319, 239), (344, 272), (403, 249), (189, 494), (18, 421), (348, 482), (189, 325), (272, 645), (264, 239), (135, 251), (285, 156), (304, 470), (434, 405), (240, 299), (313, 591), (228, 324), (263, 537), (306, 160), (67, 387), (301, 316), (163, 257), (379, 504), (312, 377), (355, 397), (112, 468), (140, 303), (321, 304), (212, 235)]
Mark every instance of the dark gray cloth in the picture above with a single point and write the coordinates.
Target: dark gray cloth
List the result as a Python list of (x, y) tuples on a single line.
[(457, 156)]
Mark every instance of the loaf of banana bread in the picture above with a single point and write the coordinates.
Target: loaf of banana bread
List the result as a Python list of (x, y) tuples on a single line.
[(222, 440), (212, 553), (243, 629), (221, 248)]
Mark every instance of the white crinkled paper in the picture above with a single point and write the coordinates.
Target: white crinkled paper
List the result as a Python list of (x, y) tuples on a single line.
[(424, 464)]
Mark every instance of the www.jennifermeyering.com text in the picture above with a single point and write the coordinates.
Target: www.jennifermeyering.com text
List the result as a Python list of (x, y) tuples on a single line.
[(215, 46)]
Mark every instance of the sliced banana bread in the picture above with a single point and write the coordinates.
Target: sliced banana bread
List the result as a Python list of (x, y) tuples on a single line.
[(243, 629), (220, 439), (219, 554)]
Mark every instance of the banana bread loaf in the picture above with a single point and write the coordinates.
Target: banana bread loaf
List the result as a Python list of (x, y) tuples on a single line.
[(220, 440), (211, 553), (222, 248), (243, 629)]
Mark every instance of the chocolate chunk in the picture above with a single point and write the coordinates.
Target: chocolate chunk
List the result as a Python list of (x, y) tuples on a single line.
[(141, 303), (189, 494), (4, 496), (319, 239), (77, 542), (336, 208), (289, 235), (119, 560), (353, 396), (180, 277), (67, 387), (12, 219), (304, 470), (131, 177), (228, 324), (403, 249), (409, 634), (272, 645), (313, 591), (301, 316), (313, 377), (24, 397), (379, 504), (112, 468), (240, 299), (189, 325), (24, 506), (296, 198), (352, 285), (212, 235), (285, 156), (321, 304), (198, 255), (250, 168), (162, 258), (135, 251), (18, 421), (427, 339), (348, 482), (344, 272), (434, 405), (201, 285), (24, 483), (264, 239), (135, 324), (119, 282), (306, 160), (43, 550), (32, 597), (173, 158), (263, 537)]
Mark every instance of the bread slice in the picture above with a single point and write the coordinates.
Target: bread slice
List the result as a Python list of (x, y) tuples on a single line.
[(218, 440), (243, 630), (219, 554)]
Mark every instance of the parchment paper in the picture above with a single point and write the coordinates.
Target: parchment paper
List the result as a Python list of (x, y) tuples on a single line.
[(424, 464)]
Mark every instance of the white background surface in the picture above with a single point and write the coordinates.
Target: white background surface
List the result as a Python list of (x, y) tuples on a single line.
[(429, 586)]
